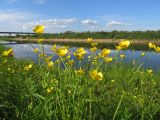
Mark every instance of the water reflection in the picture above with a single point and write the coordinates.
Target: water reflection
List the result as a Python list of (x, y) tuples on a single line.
[(150, 60)]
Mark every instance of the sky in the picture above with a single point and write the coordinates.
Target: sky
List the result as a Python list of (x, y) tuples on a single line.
[(79, 15)]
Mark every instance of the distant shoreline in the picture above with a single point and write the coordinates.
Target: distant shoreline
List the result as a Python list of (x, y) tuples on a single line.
[(109, 41)]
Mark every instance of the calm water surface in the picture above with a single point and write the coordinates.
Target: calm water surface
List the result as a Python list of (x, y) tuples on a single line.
[(25, 51)]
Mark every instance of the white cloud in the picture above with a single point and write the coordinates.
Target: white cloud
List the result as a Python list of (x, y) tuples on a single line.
[(89, 22), (116, 23), (51, 23), (11, 16), (39, 1)]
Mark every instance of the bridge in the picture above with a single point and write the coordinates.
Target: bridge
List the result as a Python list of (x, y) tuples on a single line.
[(19, 33)]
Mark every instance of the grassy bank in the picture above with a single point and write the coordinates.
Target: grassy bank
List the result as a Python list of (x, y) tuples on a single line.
[(68, 90)]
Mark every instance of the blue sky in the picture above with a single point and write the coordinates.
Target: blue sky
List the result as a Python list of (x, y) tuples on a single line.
[(80, 15)]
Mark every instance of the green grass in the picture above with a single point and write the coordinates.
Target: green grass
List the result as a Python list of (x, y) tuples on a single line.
[(126, 92)]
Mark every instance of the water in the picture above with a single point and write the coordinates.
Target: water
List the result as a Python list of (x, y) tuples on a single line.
[(25, 51)]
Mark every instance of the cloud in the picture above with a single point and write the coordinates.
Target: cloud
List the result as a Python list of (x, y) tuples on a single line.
[(89, 22), (52, 23), (13, 16), (116, 24), (39, 1)]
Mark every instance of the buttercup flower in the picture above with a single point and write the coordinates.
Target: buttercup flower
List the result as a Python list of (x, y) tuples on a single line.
[(108, 59), (124, 44), (38, 29), (28, 67), (93, 49), (8, 52), (79, 71), (157, 49), (89, 40), (96, 75), (151, 45), (35, 50), (62, 51), (143, 54), (122, 56), (80, 52), (105, 52)]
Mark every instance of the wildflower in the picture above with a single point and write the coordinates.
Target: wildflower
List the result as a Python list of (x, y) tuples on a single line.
[(68, 57), (28, 67), (70, 62), (96, 75), (94, 44), (124, 44), (62, 51), (150, 71), (89, 40), (157, 49), (118, 47), (42, 55), (108, 59), (112, 81), (80, 52), (105, 52), (50, 64), (93, 49), (53, 47), (143, 54), (39, 40), (38, 29), (50, 89), (122, 56), (4, 61), (80, 71), (151, 45), (7, 53), (35, 50)]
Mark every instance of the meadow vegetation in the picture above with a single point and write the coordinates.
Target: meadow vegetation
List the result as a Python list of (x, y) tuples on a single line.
[(89, 87)]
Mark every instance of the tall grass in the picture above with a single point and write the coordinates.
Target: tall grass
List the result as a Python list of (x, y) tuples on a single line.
[(126, 92)]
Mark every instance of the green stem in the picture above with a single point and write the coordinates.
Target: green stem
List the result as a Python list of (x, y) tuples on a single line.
[(119, 104)]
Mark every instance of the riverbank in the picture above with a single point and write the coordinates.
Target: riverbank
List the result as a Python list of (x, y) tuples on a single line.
[(49, 91), (106, 41)]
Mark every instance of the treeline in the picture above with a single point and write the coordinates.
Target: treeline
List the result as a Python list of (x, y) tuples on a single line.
[(103, 35)]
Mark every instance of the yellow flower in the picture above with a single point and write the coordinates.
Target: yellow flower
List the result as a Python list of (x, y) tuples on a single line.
[(39, 40), (50, 89), (96, 75), (105, 52), (62, 51), (89, 39), (53, 47), (118, 47), (94, 44), (124, 44), (151, 45), (143, 54), (36, 50), (150, 71), (50, 64), (108, 59), (38, 29), (5, 61), (122, 56), (157, 49), (28, 67), (70, 62), (80, 71), (8, 52), (93, 49), (80, 52)]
